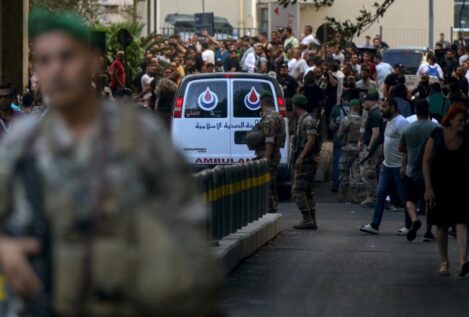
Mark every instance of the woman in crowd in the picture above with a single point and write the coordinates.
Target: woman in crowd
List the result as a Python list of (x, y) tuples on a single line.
[(446, 172)]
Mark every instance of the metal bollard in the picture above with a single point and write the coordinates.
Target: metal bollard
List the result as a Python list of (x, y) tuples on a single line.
[(251, 197), (265, 188), (239, 197), (218, 178), (213, 183), (245, 205), (260, 188)]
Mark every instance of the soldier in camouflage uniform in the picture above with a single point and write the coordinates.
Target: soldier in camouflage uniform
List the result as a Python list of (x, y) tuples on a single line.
[(349, 170), (370, 150), (272, 126), (305, 152), (85, 212)]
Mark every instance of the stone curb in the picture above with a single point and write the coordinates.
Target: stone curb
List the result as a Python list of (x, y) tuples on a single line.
[(246, 241)]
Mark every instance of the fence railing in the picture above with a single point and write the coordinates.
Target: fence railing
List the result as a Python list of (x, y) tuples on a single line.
[(220, 33), (398, 37), (235, 194)]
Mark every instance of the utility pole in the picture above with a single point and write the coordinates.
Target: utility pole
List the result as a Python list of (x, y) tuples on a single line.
[(431, 23), (155, 16), (203, 6), (148, 17)]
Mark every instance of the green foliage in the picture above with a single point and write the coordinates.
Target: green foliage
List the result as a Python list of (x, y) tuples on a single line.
[(88, 9), (135, 51), (348, 28)]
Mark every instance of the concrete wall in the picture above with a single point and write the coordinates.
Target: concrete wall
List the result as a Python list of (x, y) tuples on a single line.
[(405, 22), (14, 42)]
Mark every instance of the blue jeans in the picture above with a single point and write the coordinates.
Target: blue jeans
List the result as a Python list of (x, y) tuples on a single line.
[(389, 176), (335, 163)]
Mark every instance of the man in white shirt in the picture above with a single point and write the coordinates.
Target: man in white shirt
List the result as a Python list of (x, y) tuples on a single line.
[(300, 66), (255, 59), (382, 70), (464, 57), (367, 42), (147, 78), (338, 55), (390, 174), (309, 38), (196, 43), (208, 56), (431, 68), (340, 80), (356, 67), (291, 61)]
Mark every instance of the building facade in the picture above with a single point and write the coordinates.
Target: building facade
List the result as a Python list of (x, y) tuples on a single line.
[(404, 23)]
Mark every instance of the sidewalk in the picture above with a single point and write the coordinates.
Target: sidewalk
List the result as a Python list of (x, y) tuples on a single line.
[(337, 271)]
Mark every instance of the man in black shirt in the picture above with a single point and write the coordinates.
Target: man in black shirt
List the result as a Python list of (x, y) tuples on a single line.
[(449, 64), (290, 88), (459, 77), (233, 61), (313, 90), (391, 80), (423, 88), (369, 145), (289, 84)]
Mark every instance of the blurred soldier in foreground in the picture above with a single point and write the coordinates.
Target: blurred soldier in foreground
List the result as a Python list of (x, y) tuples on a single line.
[(349, 170), (92, 224), (304, 153), (272, 126)]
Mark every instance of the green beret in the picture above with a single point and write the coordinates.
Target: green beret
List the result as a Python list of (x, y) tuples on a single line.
[(354, 102), (299, 100), (42, 21), (266, 94)]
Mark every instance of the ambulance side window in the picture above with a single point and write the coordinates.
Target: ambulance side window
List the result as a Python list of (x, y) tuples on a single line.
[(246, 95), (207, 99)]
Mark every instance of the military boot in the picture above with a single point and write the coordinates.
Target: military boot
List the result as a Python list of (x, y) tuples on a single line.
[(355, 196), (307, 222), (313, 216), (343, 196)]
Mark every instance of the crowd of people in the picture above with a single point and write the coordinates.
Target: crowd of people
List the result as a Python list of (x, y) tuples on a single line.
[(394, 145)]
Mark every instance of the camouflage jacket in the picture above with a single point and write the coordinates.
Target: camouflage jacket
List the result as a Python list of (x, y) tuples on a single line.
[(349, 131), (111, 169), (306, 125), (271, 127)]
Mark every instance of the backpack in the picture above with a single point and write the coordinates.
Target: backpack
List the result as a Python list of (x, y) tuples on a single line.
[(165, 87), (432, 71)]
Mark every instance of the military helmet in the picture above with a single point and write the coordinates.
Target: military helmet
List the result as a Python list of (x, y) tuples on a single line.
[(255, 139)]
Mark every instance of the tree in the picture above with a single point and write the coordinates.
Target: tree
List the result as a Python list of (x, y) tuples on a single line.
[(348, 28), (88, 9)]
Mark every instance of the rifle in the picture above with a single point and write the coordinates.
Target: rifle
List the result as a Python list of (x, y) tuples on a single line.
[(355, 156), (40, 304)]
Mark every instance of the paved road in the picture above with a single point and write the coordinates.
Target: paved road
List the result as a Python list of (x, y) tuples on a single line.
[(337, 271)]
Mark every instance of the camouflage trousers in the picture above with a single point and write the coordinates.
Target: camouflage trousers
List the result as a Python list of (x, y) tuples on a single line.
[(349, 176), (273, 194), (303, 188), (291, 123), (369, 173)]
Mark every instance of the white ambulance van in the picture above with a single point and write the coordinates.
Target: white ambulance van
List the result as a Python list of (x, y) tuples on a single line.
[(213, 112)]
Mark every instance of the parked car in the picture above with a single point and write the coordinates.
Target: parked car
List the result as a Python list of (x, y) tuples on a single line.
[(213, 112), (409, 57)]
